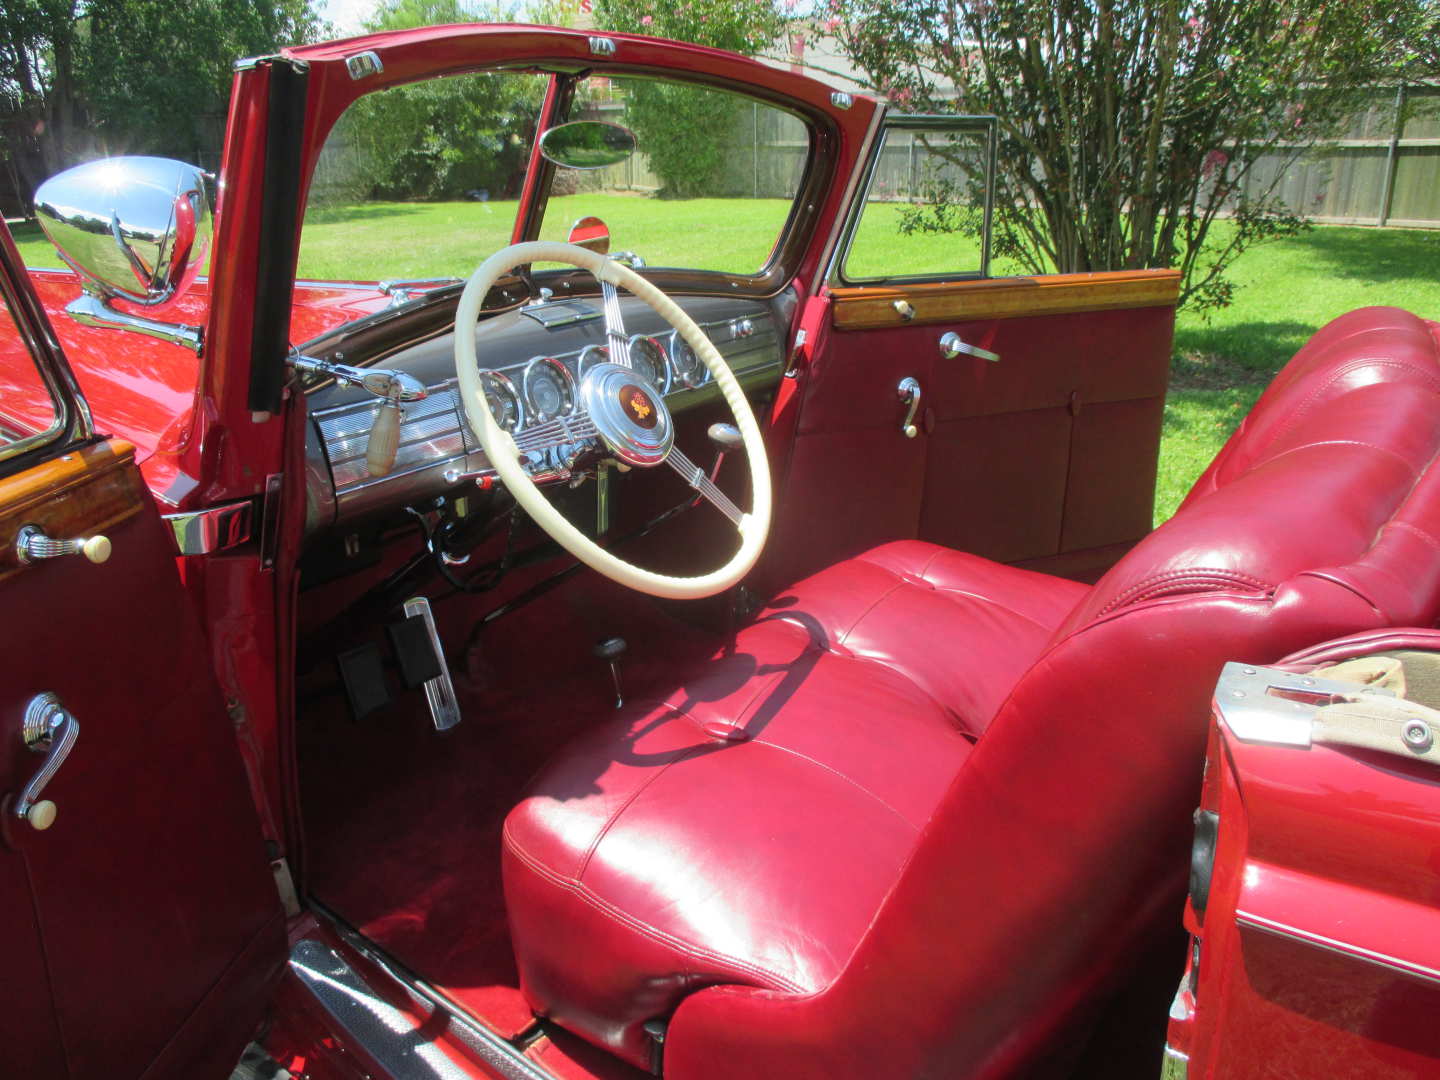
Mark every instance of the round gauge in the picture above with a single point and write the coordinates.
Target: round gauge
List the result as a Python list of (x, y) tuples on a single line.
[(592, 355), (503, 400), (647, 356), (549, 389), (689, 368)]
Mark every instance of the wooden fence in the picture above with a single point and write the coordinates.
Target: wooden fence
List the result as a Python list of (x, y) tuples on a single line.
[(1384, 170)]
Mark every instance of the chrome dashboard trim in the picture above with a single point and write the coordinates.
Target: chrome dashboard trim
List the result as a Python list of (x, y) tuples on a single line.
[(435, 439)]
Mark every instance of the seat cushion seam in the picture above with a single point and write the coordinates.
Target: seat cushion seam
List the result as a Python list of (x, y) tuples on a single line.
[(614, 914), (871, 658), (1198, 577), (899, 581), (836, 772), (1335, 376), (615, 814)]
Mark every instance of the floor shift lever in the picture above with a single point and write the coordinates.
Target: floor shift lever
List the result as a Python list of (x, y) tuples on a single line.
[(610, 650)]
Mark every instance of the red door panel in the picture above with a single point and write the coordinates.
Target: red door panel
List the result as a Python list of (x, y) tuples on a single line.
[(151, 891), (1045, 457)]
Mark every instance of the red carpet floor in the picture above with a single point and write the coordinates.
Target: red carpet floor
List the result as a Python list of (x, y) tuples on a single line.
[(403, 824)]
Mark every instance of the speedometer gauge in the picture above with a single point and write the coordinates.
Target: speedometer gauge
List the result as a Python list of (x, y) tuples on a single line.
[(689, 368), (504, 401), (647, 356), (549, 389)]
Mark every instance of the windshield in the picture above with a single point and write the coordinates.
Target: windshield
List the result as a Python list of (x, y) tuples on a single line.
[(709, 187), (423, 181)]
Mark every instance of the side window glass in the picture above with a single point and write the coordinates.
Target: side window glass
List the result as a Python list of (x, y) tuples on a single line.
[(926, 212), (29, 414)]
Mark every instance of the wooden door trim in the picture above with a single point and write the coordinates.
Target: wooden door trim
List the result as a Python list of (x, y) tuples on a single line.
[(79, 493), (866, 308)]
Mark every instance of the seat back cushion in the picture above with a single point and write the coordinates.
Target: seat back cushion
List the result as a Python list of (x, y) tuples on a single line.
[(1062, 842)]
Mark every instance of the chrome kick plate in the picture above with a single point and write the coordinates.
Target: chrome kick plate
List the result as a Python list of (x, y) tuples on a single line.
[(439, 691)]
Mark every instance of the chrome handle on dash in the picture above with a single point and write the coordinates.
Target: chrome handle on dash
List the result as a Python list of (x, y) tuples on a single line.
[(952, 345), (909, 394), (49, 729)]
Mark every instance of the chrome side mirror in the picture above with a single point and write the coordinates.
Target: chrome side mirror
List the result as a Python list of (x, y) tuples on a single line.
[(591, 233), (133, 228)]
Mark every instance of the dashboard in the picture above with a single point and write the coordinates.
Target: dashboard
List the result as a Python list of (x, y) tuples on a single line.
[(535, 357)]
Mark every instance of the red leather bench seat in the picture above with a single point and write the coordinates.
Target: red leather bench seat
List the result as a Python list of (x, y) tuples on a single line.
[(688, 843)]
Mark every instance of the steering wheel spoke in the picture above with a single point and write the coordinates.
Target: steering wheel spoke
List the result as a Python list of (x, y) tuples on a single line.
[(615, 335), (695, 476)]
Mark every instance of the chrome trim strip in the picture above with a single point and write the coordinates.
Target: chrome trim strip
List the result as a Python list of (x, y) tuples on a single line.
[(200, 532), (494, 1051), (392, 1039), (1334, 945)]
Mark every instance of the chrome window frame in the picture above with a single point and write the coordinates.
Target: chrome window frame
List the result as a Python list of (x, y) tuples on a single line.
[(988, 126), (72, 421)]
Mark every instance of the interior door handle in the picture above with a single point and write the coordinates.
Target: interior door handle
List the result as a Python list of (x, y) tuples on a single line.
[(49, 729), (909, 394), (952, 345)]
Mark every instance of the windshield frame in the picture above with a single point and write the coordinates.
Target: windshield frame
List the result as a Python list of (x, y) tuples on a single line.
[(567, 56)]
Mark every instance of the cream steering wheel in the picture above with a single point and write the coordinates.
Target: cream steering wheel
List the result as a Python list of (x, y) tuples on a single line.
[(619, 407)]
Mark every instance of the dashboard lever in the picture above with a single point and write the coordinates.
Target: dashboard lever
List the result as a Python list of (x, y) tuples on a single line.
[(726, 439), (610, 650)]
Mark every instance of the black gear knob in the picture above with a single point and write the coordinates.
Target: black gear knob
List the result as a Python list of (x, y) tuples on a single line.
[(610, 650)]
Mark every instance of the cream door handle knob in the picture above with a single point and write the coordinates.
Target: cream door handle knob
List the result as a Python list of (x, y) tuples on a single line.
[(42, 815)]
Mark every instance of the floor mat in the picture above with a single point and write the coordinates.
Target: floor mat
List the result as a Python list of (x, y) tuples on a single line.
[(403, 824)]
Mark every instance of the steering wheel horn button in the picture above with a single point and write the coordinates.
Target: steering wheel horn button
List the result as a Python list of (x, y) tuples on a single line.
[(629, 415)]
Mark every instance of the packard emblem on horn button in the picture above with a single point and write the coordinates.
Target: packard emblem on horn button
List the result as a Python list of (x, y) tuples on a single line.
[(638, 405)]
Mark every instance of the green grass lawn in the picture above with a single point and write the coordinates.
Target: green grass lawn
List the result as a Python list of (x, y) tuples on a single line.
[(1285, 290)]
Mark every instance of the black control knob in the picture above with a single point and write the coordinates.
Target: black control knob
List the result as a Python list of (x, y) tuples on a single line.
[(610, 650)]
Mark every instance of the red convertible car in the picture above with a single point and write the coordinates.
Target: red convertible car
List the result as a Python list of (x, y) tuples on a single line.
[(411, 720)]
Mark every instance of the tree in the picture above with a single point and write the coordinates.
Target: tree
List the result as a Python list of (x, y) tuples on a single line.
[(1128, 126), (442, 138), (80, 78), (678, 126)]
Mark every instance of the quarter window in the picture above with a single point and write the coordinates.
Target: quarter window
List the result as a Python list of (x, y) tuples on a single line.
[(926, 213)]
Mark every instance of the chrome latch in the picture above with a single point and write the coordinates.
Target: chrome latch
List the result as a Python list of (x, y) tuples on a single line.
[(952, 345), (31, 544), (49, 729)]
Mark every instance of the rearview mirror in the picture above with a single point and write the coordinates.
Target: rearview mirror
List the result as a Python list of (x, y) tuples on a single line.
[(133, 228), (587, 144)]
